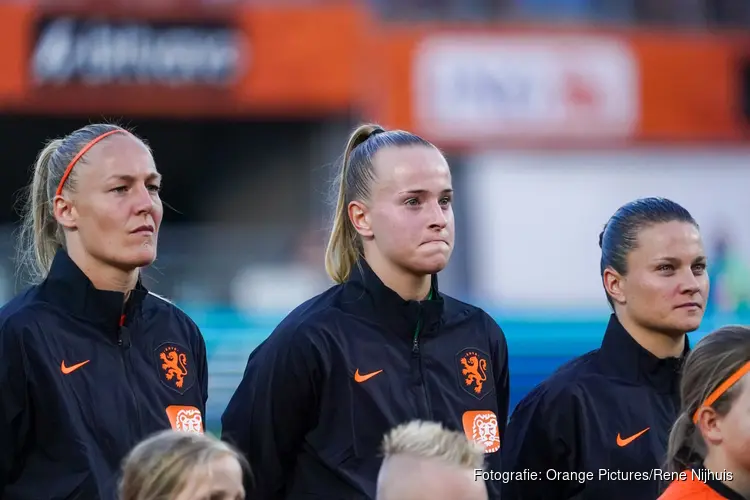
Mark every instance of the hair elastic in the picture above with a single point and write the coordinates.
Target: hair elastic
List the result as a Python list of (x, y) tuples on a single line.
[(724, 387), (80, 154)]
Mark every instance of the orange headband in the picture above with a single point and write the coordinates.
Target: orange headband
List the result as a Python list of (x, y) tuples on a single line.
[(79, 155), (724, 387)]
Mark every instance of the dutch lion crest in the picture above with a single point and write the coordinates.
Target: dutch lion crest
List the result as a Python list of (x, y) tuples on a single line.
[(473, 376), (174, 364)]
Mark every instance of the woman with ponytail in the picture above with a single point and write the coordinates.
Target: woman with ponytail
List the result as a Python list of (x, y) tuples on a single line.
[(382, 346), (708, 455), (90, 362)]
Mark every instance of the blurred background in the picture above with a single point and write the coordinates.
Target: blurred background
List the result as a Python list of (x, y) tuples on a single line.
[(553, 113)]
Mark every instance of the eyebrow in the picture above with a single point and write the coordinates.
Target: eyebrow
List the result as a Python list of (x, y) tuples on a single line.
[(423, 191), (675, 260), (155, 176)]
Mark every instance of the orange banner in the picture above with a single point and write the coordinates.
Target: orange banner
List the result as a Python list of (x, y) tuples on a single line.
[(155, 62), (471, 86), (456, 85)]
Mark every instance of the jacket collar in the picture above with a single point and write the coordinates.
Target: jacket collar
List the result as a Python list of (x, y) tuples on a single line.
[(68, 287), (623, 357), (383, 305)]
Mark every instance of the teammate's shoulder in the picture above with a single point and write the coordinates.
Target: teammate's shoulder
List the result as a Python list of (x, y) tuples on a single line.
[(318, 311), (465, 316), (24, 319), (313, 317), (455, 310), (21, 310), (576, 369), (566, 383), (157, 301), (158, 304)]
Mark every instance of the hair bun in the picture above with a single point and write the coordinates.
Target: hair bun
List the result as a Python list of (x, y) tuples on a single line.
[(601, 238), (375, 132)]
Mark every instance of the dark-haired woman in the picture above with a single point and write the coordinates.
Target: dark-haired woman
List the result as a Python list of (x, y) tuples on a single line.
[(598, 427)]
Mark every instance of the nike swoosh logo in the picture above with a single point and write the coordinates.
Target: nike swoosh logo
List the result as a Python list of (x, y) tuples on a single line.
[(361, 378), (70, 369), (624, 442)]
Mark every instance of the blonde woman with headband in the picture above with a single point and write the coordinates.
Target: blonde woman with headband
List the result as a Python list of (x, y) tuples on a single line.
[(382, 346), (709, 446), (91, 362), (183, 466)]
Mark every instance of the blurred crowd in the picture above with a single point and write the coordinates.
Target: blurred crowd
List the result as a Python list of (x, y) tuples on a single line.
[(678, 13), (675, 13)]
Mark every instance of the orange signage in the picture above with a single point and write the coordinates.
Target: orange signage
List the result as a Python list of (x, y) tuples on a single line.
[(468, 86), (233, 61), (456, 85)]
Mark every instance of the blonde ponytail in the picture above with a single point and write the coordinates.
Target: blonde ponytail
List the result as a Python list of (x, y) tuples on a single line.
[(355, 183), (681, 447), (343, 248), (41, 236)]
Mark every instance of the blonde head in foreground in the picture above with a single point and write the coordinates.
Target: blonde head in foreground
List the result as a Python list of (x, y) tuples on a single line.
[(175, 465), (423, 460)]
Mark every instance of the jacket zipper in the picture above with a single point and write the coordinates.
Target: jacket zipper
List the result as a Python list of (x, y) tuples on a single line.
[(416, 355), (124, 346), (415, 343)]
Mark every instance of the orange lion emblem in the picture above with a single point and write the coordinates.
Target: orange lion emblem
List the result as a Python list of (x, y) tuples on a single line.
[(174, 364), (185, 418), (481, 426), (472, 365), (474, 371)]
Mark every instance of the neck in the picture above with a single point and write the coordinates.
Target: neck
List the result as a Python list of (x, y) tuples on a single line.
[(718, 462), (103, 276), (661, 345), (407, 285)]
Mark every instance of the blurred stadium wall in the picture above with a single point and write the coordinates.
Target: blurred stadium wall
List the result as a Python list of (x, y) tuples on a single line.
[(552, 112)]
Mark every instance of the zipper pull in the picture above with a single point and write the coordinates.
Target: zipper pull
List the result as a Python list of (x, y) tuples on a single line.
[(119, 329), (417, 330), (123, 338), (123, 334)]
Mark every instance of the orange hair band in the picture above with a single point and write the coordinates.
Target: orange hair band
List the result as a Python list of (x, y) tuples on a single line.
[(77, 157), (724, 387)]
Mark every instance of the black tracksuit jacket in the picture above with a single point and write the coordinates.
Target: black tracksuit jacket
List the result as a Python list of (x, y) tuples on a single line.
[(605, 416), (345, 367), (84, 379)]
